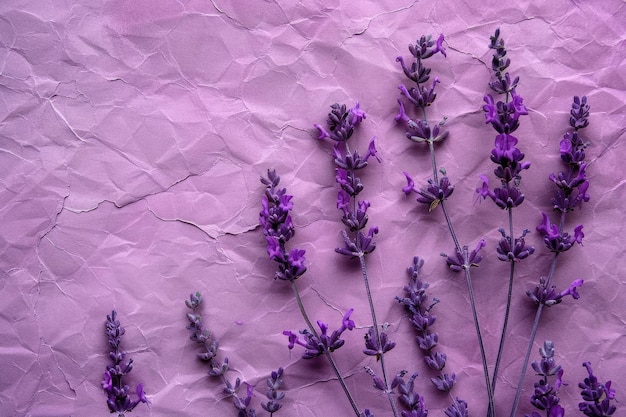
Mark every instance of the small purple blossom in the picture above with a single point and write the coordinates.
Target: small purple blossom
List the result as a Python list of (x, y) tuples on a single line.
[(549, 296), (118, 398), (413, 402), (273, 395), (597, 397), (555, 239), (318, 344), (457, 409), (545, 396), (517, 252), (374, 347), (341, 122), (431, 195), (465, 259)]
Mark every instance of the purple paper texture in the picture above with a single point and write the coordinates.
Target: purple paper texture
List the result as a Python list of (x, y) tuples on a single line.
[(132, 138)]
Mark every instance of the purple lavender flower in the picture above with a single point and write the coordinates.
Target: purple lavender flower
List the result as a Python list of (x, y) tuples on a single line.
[(558, 241), (515, 253), (572, 183), (341, 122), (374, 347), (274, 396), (318, 344), (118, 398), (410, 399), (549, 296), (572, 187), (218, 369), (342, 119), (465, 259), (275, 219), (416, 303), (597, 397), (457, 409), (545, 396), (420, 131), (431, 195)]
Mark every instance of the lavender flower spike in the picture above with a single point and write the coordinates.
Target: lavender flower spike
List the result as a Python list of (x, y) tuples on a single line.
[(545, 396), (597, 397), (275, 219), (118, 398)]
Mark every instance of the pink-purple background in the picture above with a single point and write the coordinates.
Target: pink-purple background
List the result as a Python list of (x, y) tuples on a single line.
[(132, 137)]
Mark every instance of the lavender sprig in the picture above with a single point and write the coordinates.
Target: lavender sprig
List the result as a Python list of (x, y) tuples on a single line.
[(118, 398), (546, 397), (597, 397), (438, 189), (217, 369), (277, 226), (417, 304), (572, 185), (342, 123), (504, 118), (410, 399)]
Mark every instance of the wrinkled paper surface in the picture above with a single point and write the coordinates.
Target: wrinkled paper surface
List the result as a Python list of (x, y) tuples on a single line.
[(132, 138)]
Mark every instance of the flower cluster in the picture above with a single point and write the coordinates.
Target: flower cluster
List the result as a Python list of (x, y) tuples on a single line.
[(118, 398), (420, 95), (438, 189), (504, 118), (413, 402), (596, 396), (341, 123), (416, 303), (278, 229), (464, 259), (433, 194), (549, 296), (318, 344), (274, 396), (545, 396), (572, 184), (203, 336)]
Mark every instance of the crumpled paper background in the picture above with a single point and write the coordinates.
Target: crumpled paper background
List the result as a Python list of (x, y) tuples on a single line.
[(132, 138)]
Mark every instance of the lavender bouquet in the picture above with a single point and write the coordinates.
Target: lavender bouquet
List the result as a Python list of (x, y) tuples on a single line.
[(407, 397)]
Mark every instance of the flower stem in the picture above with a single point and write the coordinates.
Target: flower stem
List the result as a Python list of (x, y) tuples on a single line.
[(508, 306), (341, 380), (468, 278), (377, 335), (531, 341), (470, 290)]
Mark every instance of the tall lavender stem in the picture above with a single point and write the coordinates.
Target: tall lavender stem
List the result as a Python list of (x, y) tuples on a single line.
[(341, 125), (439, 188), (504, 118), (275, 219), (572, 185)]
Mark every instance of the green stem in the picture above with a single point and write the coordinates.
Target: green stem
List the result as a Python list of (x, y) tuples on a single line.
[(341, 380)]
